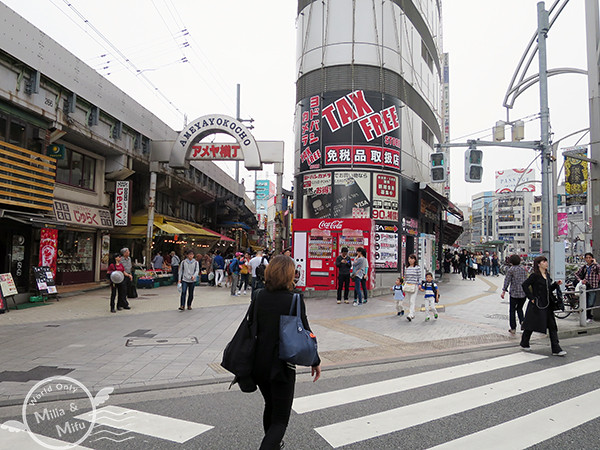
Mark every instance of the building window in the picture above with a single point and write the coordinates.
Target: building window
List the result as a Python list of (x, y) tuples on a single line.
[(77, 170), (426, 56), (188, 211), (426, 134)]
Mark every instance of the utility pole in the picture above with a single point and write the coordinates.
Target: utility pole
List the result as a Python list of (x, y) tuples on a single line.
[(237, 117), (547, 238), (593, 36)]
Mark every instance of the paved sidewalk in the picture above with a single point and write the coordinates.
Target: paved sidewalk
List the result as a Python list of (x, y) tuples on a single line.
[(155, 345)]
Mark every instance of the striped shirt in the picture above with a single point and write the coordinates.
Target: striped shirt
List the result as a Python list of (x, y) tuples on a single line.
[(515, 276), (412, 275)]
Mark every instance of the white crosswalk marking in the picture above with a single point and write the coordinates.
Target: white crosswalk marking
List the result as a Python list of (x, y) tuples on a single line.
[(397, 419), (540, 425), (162, 427), (22, 441), (354, 394)]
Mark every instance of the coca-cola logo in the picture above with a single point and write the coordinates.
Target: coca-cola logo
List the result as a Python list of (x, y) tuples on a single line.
[(333, 225)]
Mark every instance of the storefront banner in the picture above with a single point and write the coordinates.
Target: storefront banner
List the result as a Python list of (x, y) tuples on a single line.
[(385, 197), (48, 248), (410, 226), (360, 155), (386, 246), (318, 196), (361, 122), (262, 189), (122, 202), (515, 180), (214, 152), (352, 194), (563, 224), (576, 176), (76, 214)]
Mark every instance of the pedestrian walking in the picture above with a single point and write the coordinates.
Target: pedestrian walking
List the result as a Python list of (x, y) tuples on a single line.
[(486, 261), (175, 261), (255, 264), (515, 276), (398, 296), (117, 289), (275, 378), (219, 268), (189, 270), (244, 273), (589, 274), (344, 264), (234, 270), (495, 265), (360, 268), (157, 261), (412, 279), (430, 288), (539, 289)]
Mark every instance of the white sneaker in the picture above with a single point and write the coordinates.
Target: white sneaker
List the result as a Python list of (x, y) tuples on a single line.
[(355, 304), (245, 293), (589, 320), (561, 353)]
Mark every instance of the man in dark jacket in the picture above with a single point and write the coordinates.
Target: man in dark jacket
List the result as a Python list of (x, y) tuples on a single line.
[(343, 264)]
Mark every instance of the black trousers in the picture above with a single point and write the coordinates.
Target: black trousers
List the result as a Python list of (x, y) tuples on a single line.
[(343, 283), (278, 405), (121, 290), (552, 333), (515, 307)]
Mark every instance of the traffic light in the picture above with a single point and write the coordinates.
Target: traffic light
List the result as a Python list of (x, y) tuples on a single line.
[(438, 167), (473, 167)]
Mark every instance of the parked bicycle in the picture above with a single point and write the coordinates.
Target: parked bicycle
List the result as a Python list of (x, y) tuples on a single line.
[(573, 290)]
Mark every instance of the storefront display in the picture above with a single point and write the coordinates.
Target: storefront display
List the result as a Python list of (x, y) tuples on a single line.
[(75, 257)]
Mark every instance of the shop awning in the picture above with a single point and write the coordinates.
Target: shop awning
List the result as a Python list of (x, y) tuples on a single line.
[(172, 226), (229, 223), (450, 233), (133, 231)]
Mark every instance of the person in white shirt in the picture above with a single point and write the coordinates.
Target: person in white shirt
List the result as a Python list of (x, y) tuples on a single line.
[(257, 281)]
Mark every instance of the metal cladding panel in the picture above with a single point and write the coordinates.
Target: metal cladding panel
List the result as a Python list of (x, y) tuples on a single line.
[(24, 41)]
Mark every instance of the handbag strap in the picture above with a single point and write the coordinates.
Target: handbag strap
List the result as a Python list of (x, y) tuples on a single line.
[(296, 303)]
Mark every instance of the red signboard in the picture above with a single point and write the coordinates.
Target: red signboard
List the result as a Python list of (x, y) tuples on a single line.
[(48, 248), (344, 155)]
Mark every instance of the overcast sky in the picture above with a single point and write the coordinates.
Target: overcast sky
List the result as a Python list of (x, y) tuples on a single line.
[(253, 43)]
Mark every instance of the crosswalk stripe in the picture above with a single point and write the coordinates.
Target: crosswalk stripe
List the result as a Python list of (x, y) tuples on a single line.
[(540, 426), (370, 426), (354, 394), (162, 427), (22, 441)]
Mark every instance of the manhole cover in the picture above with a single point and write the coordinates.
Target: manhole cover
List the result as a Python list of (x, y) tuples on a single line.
[(146, 342)]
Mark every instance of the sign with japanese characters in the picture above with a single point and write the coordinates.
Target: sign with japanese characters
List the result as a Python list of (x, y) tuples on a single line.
[(122, 201), (386, 246), (215, 152), (76, 214), (576, 175), (385, 197), (317, 195)]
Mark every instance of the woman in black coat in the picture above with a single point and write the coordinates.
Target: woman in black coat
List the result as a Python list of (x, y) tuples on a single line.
[(276, 378), (539, 316)]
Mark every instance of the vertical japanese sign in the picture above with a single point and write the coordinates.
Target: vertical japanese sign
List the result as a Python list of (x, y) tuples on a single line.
[(122, 201), (352, 193), (386, 246), (104, 252), (48, 248), (576, 176), (310, 151)]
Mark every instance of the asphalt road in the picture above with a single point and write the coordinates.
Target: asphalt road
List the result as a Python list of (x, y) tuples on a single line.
[(511, 399)]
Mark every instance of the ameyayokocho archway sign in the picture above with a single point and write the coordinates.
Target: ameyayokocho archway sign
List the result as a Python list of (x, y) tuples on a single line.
[(198, 129)]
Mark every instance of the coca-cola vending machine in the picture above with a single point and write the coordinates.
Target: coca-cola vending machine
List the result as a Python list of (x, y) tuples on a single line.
[(317, 243)]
